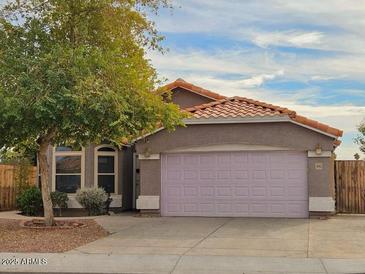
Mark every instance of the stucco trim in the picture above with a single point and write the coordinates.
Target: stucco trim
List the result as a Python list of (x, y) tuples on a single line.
[(228, 147), (324, 154), (148, 134), (150, 157), (148, 202), (238, 120), (321, 204), (72, 203)]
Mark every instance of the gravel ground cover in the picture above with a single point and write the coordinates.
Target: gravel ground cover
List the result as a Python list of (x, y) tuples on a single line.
[(15, 238)]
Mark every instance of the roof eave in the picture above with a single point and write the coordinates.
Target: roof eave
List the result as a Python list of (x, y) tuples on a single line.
[(238, 120)]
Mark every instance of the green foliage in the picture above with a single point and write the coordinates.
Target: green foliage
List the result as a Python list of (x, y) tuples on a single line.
[(59, 199), (30, 201), (357, 156), (76, 72), (92, 199), (360, 140)]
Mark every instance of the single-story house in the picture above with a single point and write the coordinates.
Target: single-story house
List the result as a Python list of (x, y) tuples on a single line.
[(236, 157)]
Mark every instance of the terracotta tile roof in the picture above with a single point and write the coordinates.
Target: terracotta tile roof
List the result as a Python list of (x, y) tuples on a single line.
[(188, 86), (235, 107)]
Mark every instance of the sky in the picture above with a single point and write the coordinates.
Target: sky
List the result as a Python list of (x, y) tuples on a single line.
[(308, 56)]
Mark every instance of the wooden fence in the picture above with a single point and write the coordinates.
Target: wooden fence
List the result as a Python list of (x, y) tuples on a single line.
[(8, 185), (350, 186)]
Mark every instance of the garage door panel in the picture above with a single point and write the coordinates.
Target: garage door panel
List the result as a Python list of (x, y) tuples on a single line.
[(240, 174), (224, 192), (257, 192), (241, 209), (224, 160), (235, 184), (207, 174), (190, 191), (296, 174), (173, 209), (295, 192), (277, 174), (259, 174), (223, 174), (241, 192), (173, 191), (208, 161), (278, 192), (173, 175), (191, 208), (191, 175), (207, 192), (173, 160), (207, 208), (190, 160)]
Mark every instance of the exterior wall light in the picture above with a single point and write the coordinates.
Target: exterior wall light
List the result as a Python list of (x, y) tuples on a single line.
[(147, 152), (318, 149)]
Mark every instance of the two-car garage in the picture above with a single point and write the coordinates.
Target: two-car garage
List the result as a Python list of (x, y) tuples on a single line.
[(235, 184), (238, 157)]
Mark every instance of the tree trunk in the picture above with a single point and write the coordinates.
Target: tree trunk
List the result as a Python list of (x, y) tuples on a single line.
[(46, 195)]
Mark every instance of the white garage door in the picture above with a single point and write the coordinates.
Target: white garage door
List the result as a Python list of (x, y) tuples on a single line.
[(256, 184)]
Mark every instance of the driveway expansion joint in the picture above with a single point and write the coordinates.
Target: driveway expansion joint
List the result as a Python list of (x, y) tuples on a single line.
[(199, 242)]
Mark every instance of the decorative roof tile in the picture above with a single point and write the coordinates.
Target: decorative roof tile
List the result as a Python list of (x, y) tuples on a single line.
[(236, 107)]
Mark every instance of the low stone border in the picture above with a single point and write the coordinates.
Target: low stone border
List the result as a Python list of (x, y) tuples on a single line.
[(59, 224)]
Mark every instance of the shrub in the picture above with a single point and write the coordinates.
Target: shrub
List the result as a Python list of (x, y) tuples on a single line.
[(59, 200), (92, 199), (29, 202)]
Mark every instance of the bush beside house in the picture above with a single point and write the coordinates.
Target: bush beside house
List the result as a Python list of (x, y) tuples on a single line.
[(29, 202), (92, 199)]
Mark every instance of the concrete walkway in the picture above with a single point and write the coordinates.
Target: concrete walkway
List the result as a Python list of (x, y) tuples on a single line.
[(102, 263)]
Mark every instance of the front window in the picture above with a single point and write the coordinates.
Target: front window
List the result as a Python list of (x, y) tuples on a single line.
[(106, 168), (68, 166)]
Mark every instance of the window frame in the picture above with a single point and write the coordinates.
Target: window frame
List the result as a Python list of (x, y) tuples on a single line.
[(80, 153), (114, 153)]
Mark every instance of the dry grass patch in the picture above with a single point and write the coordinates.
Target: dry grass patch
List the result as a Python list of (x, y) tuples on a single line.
[(15, 238)]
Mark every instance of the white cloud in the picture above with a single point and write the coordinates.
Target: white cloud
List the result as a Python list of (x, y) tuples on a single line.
[(259, 62), (258, 80), (335, 25), (322, 78), (288, 38)]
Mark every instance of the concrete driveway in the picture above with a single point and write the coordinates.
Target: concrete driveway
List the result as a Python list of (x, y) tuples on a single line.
[(337, 237)]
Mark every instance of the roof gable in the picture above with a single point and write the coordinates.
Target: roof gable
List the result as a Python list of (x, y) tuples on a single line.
[(180, 83)]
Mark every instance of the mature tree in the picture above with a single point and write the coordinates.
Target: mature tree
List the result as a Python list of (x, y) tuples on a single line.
[(75, 72), (360, 140)]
